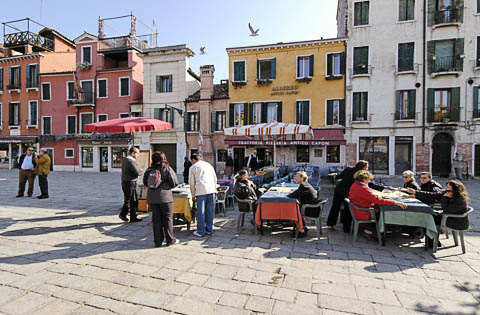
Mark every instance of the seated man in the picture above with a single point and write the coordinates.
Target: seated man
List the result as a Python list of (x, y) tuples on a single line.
[(246, 190), (428, 184), (305, 194)]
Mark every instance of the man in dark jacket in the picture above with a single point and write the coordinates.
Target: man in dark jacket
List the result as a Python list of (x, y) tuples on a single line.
[(253, 162), (428, 184), (305, 194), (186, 168), (246, 190), (27, 164), (130, 173)]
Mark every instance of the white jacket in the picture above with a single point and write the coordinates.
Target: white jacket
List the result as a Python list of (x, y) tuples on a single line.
[(202, 179)]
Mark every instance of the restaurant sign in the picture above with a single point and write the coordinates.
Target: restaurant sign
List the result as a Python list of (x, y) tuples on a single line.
[(104, 142), (282, 143)]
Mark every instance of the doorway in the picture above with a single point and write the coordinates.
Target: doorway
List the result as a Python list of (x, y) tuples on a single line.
[(170, 151), (477, 160), (403, 154), (238, 159), (442, 154), (103, 159)]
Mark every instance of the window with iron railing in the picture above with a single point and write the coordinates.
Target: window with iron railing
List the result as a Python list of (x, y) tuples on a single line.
[(360, 106), (445, 12), (445, 55), (443, 105)]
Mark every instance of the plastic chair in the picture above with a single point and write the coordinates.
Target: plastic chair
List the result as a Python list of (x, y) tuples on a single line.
[(221, 197), (456, 233), (241, 214), (356, 222), (317, 219)]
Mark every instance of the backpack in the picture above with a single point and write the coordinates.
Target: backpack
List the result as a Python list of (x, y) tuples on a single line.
[(154, 179)]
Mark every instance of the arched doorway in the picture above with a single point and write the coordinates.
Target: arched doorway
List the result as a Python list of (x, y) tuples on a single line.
[(442, 154)]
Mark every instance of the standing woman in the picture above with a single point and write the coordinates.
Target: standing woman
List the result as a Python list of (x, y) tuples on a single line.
[(160, 200)]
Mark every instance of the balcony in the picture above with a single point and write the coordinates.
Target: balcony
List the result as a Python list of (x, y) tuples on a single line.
[(361, 69), (39, 43), (82, 99), (123, 42), (32, 84), (447, 16), (13, 87), (444, 115), (14, 123), (445, 65)]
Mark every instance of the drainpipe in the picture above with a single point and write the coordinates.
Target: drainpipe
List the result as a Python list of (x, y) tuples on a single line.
[(424, 89)]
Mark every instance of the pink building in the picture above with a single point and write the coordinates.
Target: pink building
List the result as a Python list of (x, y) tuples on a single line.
[(106, 84)]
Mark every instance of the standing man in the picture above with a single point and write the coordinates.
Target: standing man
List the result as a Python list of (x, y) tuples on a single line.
[(203, 185), (253, 161), (27, 164), (186, 167), (43, 169), (130, 173)]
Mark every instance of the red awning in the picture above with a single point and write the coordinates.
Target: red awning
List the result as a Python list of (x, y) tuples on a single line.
[(321, 137)]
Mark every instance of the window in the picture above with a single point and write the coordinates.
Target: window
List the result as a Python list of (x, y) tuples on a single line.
[(87, 90), (164, 83), (165, 114), (118, 154), (443, 105), (303, 113), (85, 118), (360, 106), (266, 69), (102, 117), (335, 112), (219, 120), (239, 71), (46, 125), (304, 66), (14, 114), (405, 101), (71, 124), (124, 86), (46, 92), (69, 153), (333, 154), (406, 10), (32, 76), (70, 90), (360, 60), (444, 55), (221, 155), (303, 154), (87, 157), (375, 151), (237, 115), (476, 102), (87, 54), (405, 56), (192, 122), (14, 78), (335, 64), (33, 113), (1, 79), (272, 112), (102, 88), (478, 49), (1, 123), (361, 13), (124, 115), (255, 115)]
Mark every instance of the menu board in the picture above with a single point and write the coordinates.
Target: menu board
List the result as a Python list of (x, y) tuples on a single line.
[(143, 162)]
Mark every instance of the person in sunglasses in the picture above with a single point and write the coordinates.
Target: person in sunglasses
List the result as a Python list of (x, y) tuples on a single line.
[(409, 180), (27, 164)]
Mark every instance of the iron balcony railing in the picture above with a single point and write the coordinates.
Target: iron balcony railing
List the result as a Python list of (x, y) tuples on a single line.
[(82, 98), (446, 16), (26, 37), (444, 114), (13, 123), (124, 42), (32, 84), (13, 86), (361, 69), (445, 64)]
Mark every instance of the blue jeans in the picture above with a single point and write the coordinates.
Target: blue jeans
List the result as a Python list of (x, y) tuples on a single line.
[(205, 209)]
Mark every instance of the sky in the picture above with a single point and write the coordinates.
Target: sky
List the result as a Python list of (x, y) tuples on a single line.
[(214, 24)]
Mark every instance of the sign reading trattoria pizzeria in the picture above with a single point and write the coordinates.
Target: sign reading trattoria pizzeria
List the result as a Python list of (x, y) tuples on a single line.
[(293, 142), (285, 90)]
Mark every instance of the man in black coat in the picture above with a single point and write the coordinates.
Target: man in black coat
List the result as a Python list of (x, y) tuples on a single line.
[(130, 173), (186, 168), (253, 162), (428, 184)]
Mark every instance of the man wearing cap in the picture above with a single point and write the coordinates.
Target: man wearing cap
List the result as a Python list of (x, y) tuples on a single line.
[(43, 169), (27, 164)]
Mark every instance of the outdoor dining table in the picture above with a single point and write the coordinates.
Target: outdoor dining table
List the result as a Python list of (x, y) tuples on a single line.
[(183, 203), (276, 205)]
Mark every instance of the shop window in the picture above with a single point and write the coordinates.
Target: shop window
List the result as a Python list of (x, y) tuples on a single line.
[(318, 153), (124, 86), (164, 83), (193, 151), (69, 153), (239, 71), (375, 151), (266, 69), (221, 155), (102, 88), (360, 60), (405, 108), (405, 56), (118, 154), (303, 154), (304, 66), (362, 9), (360, 106), (87, 157), (71, 124), (406, 10), (333, 154)]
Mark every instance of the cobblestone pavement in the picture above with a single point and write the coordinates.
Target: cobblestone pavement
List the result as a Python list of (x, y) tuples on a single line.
[(70, 254)]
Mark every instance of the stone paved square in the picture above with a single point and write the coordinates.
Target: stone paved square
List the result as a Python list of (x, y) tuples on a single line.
[(70, 254)]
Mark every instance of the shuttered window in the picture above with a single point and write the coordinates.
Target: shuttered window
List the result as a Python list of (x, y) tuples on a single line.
[(406, 10), (164, 83), (86, 118), (1, 80), (304, 66), (360, 106), (70, 91), (47, 125), (361, 13), (360, 60), (478, 48), (405, 56), (405, 104), (335, 112), (124, 86), (218, 120), (335, 64), (266, 69), (87, 54), (444, 55), (14, 77), (165, 114), (32, 76), (14, 114), (46, 91), (443, 105), (72, 124), (239, 71), (238, 113), (303, 112), (102, 88), (192, 121), (476, 102), (32, 113)]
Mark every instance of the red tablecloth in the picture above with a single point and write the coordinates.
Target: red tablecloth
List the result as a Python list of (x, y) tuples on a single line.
[(279, 211)]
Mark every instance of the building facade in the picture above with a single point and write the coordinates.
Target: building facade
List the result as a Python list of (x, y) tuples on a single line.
[(298, 82), (413, 74), (205, 119), (26, 54), (168, 81)]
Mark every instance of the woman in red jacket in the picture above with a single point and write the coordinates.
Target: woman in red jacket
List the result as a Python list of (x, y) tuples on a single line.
[(362, 196)]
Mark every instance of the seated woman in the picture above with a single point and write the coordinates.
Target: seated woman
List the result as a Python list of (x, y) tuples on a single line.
[(246, 190), (409, 180), (305, 194), (361, 195)]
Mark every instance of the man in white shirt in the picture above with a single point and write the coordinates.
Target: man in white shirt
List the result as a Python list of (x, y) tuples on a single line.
[(27, 164), (203, 185)]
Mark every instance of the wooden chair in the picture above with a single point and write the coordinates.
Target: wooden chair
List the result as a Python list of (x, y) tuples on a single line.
[(241, 214), (456, 233), (356, 222), (317, 219)]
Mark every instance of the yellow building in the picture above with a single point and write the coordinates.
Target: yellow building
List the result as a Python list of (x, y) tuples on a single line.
[(296, 82)]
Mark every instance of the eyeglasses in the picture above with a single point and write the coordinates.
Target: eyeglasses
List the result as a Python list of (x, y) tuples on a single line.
[(29, 150), (406, 176)]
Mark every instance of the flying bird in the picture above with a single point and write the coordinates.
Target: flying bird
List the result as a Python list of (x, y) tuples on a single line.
[(202, 50), (252, 31)]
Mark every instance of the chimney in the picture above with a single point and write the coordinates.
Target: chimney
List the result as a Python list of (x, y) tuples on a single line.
[(206, 81)]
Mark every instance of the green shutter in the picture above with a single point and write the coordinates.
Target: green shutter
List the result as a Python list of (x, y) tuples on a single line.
[(311, 65), (297, 111), (264, 108), (459, 3), (365, 105), (158, 83), (250, 113), (478, 44), (245, 113), (258, 69), (410, 10), (198, 120), (476, 101), (431, 10), (11, 117), (274, 68), (186, 122), (298, 66), (398, 104), (279, 112), (357, 14), (213, 121), (157, 113), (412, 104), (342, 63), (306, 113), (402, 10), (329, 64), (329, 112), (459, 47), (430, 54), (365, 12), (231, 115), (342, 113), (29, 78), (356, 105), (430, 105), (455, 106), (170, 83), (19, 76), (1, 81)]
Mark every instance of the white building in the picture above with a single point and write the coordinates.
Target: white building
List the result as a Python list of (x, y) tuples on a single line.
[(167, 82), (413, 75)]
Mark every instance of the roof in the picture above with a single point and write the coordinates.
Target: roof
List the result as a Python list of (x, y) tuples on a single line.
[(220, 91), (168, 49), (85, 34), (59, 35), (288, 44)]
